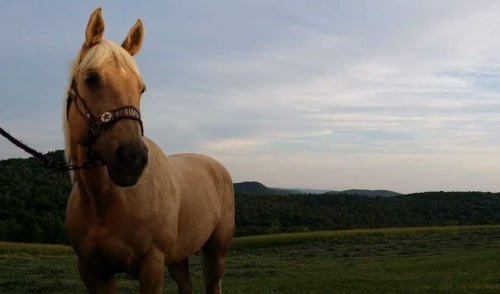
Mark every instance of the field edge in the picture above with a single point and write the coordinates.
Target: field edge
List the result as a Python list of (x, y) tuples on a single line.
[(262, 241)]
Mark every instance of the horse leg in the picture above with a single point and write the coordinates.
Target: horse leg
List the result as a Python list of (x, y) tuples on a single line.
[(215, 249), (96, 285), (213, 266), (151, 272), (180, 273)]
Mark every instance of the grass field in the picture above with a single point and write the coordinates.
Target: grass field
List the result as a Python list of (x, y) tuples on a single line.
[(420, 260)]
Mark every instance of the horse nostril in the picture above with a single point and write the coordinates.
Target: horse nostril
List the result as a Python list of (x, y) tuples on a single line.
[(130, 155), (123, 155)]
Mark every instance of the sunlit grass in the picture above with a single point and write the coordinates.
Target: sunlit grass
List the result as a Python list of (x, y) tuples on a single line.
[(34, 249), (450, 260), (297, 238)]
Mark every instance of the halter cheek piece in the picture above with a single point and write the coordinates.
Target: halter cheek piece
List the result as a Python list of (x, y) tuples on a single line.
[(97, 123)]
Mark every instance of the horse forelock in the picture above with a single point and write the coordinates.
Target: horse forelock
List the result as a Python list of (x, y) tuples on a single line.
[(101, 53), (94, 57)]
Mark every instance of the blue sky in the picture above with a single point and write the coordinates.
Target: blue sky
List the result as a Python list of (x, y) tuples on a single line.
[(400, 95)]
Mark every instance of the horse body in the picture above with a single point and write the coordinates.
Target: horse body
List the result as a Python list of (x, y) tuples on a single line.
[(114, 229), (143, 209)]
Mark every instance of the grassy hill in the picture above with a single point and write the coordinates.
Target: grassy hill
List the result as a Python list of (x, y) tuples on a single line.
[(454, 260)]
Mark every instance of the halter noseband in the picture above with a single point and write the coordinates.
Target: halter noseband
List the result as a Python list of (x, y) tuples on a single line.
[(107, 118)]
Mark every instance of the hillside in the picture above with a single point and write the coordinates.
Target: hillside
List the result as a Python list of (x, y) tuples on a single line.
[(33, 201), (369, 193), (271, 214), (256, 188), (252, 188), (458, 260)]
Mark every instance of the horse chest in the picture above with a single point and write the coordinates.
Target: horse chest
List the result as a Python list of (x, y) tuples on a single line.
[(106, 249)]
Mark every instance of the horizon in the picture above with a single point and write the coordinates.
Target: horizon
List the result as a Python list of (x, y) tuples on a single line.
[(358, 188), (323, 190), (400, 96)]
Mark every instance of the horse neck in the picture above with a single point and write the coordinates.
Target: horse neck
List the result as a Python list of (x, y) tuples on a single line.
[(96, 189)]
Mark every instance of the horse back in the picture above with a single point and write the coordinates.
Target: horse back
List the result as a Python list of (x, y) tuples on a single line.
[(204, 186)]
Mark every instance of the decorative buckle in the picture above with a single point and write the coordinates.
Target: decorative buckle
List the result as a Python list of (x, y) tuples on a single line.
[(106, 117)]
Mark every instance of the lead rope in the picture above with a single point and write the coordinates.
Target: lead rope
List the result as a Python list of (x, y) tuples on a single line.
[(49, 162)]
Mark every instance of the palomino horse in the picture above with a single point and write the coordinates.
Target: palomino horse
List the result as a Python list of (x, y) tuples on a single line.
[(138, 210)]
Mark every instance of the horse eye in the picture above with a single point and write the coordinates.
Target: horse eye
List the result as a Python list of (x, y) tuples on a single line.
[(92, 78)]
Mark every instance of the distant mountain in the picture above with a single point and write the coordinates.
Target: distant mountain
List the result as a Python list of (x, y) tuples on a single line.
[(312, 191), (256, 188), (369, 193), (251, 188)]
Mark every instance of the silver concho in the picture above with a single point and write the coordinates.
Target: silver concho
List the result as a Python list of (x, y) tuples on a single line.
[(106, 117)]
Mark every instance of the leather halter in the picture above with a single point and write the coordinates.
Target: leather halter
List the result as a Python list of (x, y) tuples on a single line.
[(107, 118)]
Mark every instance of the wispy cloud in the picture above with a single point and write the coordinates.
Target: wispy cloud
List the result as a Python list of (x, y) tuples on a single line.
[(375, 94)]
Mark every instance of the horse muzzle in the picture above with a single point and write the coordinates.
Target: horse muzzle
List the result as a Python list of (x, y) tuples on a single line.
[(128, 163)]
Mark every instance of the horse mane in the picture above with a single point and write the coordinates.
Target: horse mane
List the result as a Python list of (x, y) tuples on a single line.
[(97, 55)]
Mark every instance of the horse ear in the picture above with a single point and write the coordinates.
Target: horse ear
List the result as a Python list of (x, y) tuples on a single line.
[(133, 41), (95, 29)]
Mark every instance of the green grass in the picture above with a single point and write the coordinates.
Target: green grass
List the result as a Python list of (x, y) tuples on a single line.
[(297, 238), (34, 249), (419, 260)]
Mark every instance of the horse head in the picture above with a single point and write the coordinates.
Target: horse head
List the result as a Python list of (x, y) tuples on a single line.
[(103, 106)]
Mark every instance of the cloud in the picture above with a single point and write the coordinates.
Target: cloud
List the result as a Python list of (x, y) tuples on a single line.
[(391, 87), (234, 146), (375, 94)]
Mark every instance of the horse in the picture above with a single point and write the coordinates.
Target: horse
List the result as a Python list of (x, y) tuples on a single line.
[(133, 209)]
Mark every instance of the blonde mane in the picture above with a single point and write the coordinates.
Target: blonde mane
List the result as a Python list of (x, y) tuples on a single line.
[(93, 58)]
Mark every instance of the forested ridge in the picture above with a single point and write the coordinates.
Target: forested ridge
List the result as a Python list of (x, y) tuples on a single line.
[(273, 214), (33, 200)]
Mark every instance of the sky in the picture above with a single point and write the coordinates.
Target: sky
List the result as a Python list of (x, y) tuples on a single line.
[(397, 95)]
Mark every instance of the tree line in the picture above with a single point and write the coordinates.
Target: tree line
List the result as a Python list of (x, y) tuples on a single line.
[(294, 213), (33, 201)]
